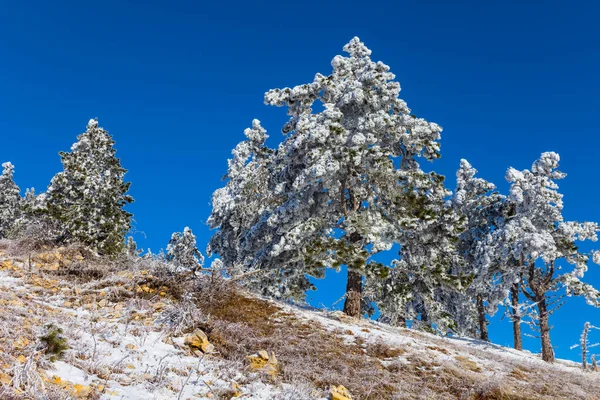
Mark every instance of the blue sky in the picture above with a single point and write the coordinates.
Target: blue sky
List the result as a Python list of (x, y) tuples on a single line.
[(177, 82)]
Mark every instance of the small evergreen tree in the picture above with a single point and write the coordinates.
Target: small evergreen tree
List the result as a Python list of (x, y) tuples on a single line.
[(183, 253), (89, 195), (10, 200), (131, 248)]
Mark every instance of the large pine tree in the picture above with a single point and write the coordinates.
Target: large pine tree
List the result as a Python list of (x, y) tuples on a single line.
[(89, 195), (339, 188)]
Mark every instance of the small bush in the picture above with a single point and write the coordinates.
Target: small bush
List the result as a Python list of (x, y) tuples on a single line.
[(55, 343)]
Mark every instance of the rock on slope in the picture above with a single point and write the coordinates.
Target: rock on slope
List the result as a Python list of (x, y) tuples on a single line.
[(131, 337)]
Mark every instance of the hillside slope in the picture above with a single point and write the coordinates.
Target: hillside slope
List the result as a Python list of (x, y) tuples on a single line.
[(73, 328)]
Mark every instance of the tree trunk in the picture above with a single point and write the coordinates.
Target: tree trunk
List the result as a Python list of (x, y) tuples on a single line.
[(547, 351), (584, 336), (402, 322), (353, 294), (516, 318), (424, 316), (483, 331)]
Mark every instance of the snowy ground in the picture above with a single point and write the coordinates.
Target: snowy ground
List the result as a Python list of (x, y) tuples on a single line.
[(119, 350)]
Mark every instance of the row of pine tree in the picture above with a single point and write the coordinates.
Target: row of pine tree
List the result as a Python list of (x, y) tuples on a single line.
[(343, 186)]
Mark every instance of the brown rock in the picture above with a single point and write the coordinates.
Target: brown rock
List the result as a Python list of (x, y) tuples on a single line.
[(81, 391), (199, 340), (263, 361), (4, 378), (340, 393)]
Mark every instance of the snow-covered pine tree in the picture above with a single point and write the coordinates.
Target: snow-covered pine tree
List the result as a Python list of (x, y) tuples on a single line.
[(544, 243), (10, 200), (484, 211), (346, 175), (247, 199), (131, 247), (33, 203), (88, 197), (182, 252), (336, 191), (426, 283)]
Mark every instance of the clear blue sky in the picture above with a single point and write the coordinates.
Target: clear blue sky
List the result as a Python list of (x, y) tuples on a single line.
[(177, 82)]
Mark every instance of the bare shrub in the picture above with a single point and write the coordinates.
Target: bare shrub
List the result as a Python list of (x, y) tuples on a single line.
[(89, 268), (214, 290), (26, 376), (181, 317), (34, 235), (5, 244)]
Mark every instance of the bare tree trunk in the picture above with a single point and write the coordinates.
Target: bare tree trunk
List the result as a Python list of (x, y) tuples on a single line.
[(402, 322), (584, 336), (353, 294), (483, 331), (424, 316), (425, 320), (547, 351), (516, 318)]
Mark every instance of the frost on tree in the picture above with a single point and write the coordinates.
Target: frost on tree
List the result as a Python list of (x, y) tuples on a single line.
[(88, 197), (544, 243), (425, 284), (484, 211), (586, 346), (334, 191), (182, 252), (238, 208), (131, 248), (10, 200), (441, 279)]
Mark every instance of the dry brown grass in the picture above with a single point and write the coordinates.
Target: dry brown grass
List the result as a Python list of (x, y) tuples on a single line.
[(240, 324), (310, 354), (519, 373), (467, 363), (383, 350)]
